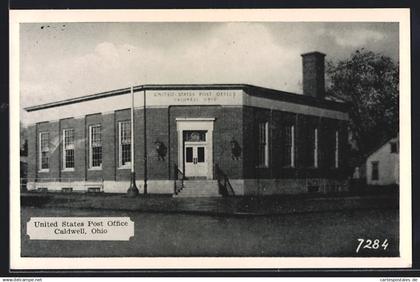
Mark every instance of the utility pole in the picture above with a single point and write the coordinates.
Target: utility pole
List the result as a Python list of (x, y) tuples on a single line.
[(132, 191), (145, 142)]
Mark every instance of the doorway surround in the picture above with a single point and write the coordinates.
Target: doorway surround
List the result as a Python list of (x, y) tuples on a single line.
[(199, 124)]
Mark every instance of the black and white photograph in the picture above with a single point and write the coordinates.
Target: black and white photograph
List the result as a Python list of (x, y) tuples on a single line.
[(212, 138)]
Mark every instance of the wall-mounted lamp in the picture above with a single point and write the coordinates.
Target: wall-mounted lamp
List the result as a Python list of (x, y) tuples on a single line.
[(235, 149), (161, 150)]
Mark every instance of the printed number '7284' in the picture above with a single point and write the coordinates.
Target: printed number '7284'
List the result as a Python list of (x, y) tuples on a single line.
[(372, 244)]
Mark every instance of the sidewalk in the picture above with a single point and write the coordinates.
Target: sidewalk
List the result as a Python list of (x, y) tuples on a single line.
[(213, 206)]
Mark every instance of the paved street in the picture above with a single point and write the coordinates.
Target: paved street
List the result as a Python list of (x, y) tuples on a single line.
[(165, 234), (285, 226), (213, 206)]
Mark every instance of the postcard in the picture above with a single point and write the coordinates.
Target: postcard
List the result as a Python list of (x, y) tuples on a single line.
[(210, 139)]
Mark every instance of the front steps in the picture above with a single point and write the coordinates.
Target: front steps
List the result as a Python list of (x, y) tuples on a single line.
[(199, 188)]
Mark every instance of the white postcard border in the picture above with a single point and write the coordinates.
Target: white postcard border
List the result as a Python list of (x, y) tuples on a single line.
[(282, 15)]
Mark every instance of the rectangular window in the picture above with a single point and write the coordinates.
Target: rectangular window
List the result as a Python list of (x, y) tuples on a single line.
[(68, 148), (125, 143), (189, 154), (336, 151), (195, 136), (375, 170), (310, 156), (329, 158), (289, 146), (200, 154), (95, 146), (44, 150), (262, 144), (394, 148), (315, 152)]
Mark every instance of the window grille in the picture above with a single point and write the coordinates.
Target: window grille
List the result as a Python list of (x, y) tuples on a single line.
[(262, 144), (315, 149), (336, 150), (125, 143), (95, 149), (68, 153), (330, 148), (44, 141), (289, 146)]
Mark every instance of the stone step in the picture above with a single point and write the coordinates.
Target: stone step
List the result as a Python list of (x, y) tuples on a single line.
[(205, 182), (202, 187), (193, 194), (203, 194), (198, 192), (199, 188), (196, 196)]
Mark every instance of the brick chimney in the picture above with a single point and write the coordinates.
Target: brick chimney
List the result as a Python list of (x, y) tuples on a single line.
[(313, 74)]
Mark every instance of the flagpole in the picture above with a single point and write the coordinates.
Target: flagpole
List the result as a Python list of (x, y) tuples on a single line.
[(132, 191), (145, 143)]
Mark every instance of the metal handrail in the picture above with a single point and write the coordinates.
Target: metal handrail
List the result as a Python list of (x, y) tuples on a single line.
[(224, 184), (178, 172)]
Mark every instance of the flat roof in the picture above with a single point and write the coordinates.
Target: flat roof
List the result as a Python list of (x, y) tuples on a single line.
[(249, 89)]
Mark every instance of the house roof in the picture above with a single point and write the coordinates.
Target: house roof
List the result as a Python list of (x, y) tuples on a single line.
[(249, 89), (381, 145)]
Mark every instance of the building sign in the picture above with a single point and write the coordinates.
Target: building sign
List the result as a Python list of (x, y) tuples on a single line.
[(195, 97)]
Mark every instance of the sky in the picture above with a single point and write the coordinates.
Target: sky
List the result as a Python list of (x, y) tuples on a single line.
[(64, 60)]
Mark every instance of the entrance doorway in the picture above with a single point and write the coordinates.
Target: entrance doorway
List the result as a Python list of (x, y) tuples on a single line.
[(195, 154), (195, 147)]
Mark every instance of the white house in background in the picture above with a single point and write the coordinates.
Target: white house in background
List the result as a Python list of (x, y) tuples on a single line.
[(383, 165)]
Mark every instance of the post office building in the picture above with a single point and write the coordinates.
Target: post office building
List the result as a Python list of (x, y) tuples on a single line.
[(193, 140)]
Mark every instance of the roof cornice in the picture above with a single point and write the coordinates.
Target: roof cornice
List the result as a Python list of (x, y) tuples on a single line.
[(250, 89)]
